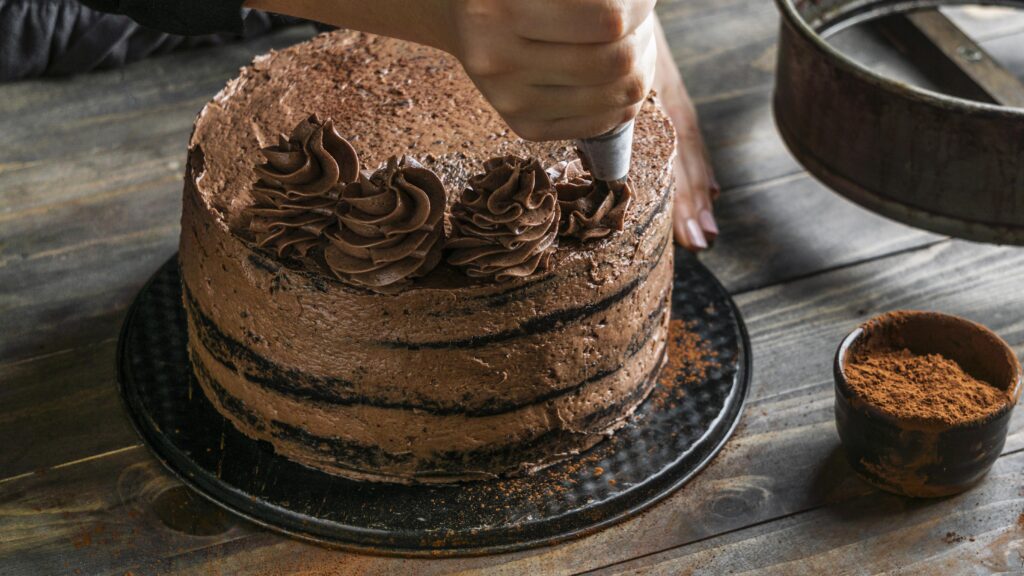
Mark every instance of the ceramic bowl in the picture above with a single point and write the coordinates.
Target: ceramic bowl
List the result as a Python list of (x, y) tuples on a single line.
[(917, 458)]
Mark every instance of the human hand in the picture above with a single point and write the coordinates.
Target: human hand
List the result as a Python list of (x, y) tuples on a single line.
[(553, 70), (693, 221), (557, 70)]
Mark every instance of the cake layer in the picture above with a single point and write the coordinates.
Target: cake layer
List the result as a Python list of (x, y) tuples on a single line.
[(583, 331), (398, 444), (450, 377)]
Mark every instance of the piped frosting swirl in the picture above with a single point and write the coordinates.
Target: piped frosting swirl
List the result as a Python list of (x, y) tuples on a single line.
[(591, 209), (297, 190), (390, 225), (505, 225)]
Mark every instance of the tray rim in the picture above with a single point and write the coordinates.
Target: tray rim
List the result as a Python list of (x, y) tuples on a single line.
[(731, 413)]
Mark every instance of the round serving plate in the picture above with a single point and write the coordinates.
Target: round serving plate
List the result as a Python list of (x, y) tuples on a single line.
[(673, 435)]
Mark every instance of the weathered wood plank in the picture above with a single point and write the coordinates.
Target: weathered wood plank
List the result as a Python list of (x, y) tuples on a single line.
[(97, 531), (69, 298), (986, 22), (789, 423), (60, 408), (783, 461), (726, 53), (90, 173), (744, 145), (1008, 51), (978, 532), (61, 136), (794, 226)]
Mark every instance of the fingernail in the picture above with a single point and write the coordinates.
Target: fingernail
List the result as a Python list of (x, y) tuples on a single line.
[(696, 234), (707, 222)]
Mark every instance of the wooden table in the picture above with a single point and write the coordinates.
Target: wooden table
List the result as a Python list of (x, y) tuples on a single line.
[(90, 184)]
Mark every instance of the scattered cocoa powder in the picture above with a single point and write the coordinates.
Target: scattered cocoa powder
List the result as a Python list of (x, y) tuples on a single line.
[(954, 538), (689, 359), (923, 387)]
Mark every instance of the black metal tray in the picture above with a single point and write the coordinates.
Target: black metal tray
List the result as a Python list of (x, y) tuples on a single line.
[(670, 438)]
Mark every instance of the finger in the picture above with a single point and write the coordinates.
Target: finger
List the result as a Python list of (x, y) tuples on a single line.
[(579, 21), (685, 227), (679, 213), (551, 103), (571, 128), (702, 186), (551, 64)]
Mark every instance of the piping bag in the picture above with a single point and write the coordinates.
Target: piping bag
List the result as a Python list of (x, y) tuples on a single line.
[(608, 155)]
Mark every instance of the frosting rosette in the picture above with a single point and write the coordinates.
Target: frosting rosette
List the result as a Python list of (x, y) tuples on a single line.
[(298, 187), (590, 208), (390, 225), (505, 225)]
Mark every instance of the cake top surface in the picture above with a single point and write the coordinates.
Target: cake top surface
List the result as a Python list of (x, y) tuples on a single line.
[(387, 98)]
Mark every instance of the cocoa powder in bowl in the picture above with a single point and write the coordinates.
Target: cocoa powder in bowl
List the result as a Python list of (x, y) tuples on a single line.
[(924, 387), (923, 401)]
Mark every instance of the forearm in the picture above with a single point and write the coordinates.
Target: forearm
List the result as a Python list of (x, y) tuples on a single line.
[(422, 21), (184, 17), (668, 83)]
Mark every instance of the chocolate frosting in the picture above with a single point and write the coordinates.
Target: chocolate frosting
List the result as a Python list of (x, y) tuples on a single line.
[(590, 208), (453, 368), (505, 225), (297, 190), (391, 225)]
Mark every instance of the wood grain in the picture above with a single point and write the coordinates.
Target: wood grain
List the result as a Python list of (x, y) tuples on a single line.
[(724, 54), (784, 460), (780, 230), (978, 532), (90, 189), (59, 408), (1008, 51), (89, 195), (983, 23)]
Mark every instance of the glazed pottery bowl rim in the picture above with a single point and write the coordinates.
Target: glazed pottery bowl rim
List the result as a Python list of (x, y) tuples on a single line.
[(1013, 387)]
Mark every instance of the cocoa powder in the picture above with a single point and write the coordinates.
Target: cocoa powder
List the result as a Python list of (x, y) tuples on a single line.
[(689, 358), (922, 387)]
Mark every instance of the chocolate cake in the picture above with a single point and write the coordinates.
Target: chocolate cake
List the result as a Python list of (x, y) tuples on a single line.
[(384, 282)]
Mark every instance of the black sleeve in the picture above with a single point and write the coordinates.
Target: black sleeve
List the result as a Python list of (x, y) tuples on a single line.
[(184, 17), (62, 37)]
